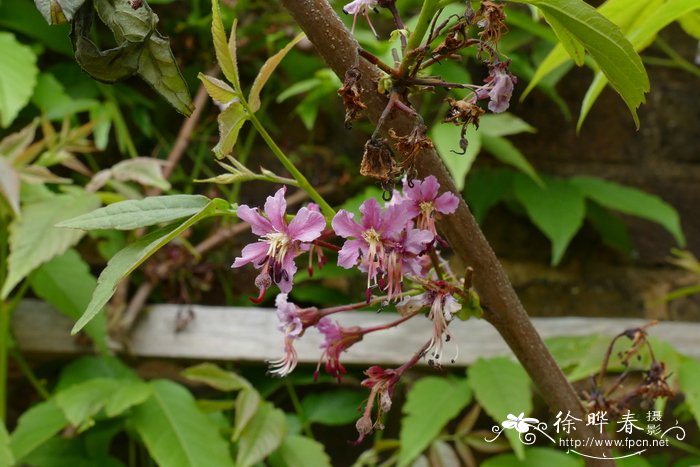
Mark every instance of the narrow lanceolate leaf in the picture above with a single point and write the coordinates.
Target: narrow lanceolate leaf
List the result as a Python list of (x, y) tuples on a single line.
[(640, 37), (508, 153), (557, 209), (261, 436), (572, 46), (134, 214), (612, 52), (430, 404), (18, 73), (231, 121), (225, 55), (176, 432), (9, 185), (631, 201), (58, 11), (131, 257), (218, 90), (34, 239), (502, 387), (265, 72), (36, 426), (66, 283)]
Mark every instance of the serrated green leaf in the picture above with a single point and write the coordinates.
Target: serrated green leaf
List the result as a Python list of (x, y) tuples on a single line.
[(131, 257), (430, 404), (175, 432), (506, 152), (133, 214), (217, 89), (58, 11), (66, 283), (157, 66), (640, 37), (18, 74), (81, 402), (446, 138), (502, 387), (261, 436), (247, 404), (299, 451), (6, 457), (35, 426), (557, 209), (231, 121), (534, 457), (504, 124), (225, 52), (265, 72), (572, 46), (338, 407), (34, 239), (612, 52), (631, 201), (216, 377)]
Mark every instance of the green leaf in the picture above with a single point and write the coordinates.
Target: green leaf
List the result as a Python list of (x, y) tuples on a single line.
[(9, 185), (689, 383), (572, 46), (175, 432), (502, 387), (430, 404), (631, 201), (640, 37), (261, 436), (34, 239), (534, 457), (133, 214), (506, 152), (81, 402), (691, 23), (58, 11), (338, 407), (485, 188), (217, 89), (131, 257), (18, 74), (266, 70), (504, 124), (216, 377), (225, 52), (6, 457), (557, 209), (35, 427), (299, 451), (88, 368), (231, 121), (247, 404), (66, 283), (446, 138), (157, 66), (612, 230), (127, 395), (612, 52), (145, 171)]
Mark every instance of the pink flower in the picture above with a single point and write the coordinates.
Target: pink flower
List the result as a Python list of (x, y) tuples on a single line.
[(381, 383), (279, 242), (442, 310), (371, 238), (501, 84), (423, 203), (337, 340), (360, 7), (403, 256)]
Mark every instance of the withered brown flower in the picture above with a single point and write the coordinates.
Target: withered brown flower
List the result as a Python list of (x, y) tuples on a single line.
[(351, 92), (378, 161), (490, 18), (463, 112), (411, 144)]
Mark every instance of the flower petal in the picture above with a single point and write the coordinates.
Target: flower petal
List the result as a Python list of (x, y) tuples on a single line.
[(306, 225), (285, 284), (345, 226), (349, 253), (252, 253), (446, 203), (416, 240), (429, 188), (371, 214), (258, 224), (394, 220), (275, 208)]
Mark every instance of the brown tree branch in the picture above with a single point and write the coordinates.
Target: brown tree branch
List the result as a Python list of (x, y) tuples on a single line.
[(504, 310)]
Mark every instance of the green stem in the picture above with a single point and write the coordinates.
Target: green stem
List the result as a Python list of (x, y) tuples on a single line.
[(29, 374), (298, 409), (243, 159), (304, 184), (427, 12), (677, 60)]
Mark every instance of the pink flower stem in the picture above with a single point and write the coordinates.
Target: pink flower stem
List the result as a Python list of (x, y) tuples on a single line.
[(382, 327), (326, 245)]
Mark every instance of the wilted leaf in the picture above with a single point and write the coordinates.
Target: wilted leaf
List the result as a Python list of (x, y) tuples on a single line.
[(143, 170), (265, 72), (9, 185), (34, 239), (18, 74)]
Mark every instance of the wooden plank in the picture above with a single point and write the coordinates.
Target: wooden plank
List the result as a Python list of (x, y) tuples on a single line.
[(250, 334)]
